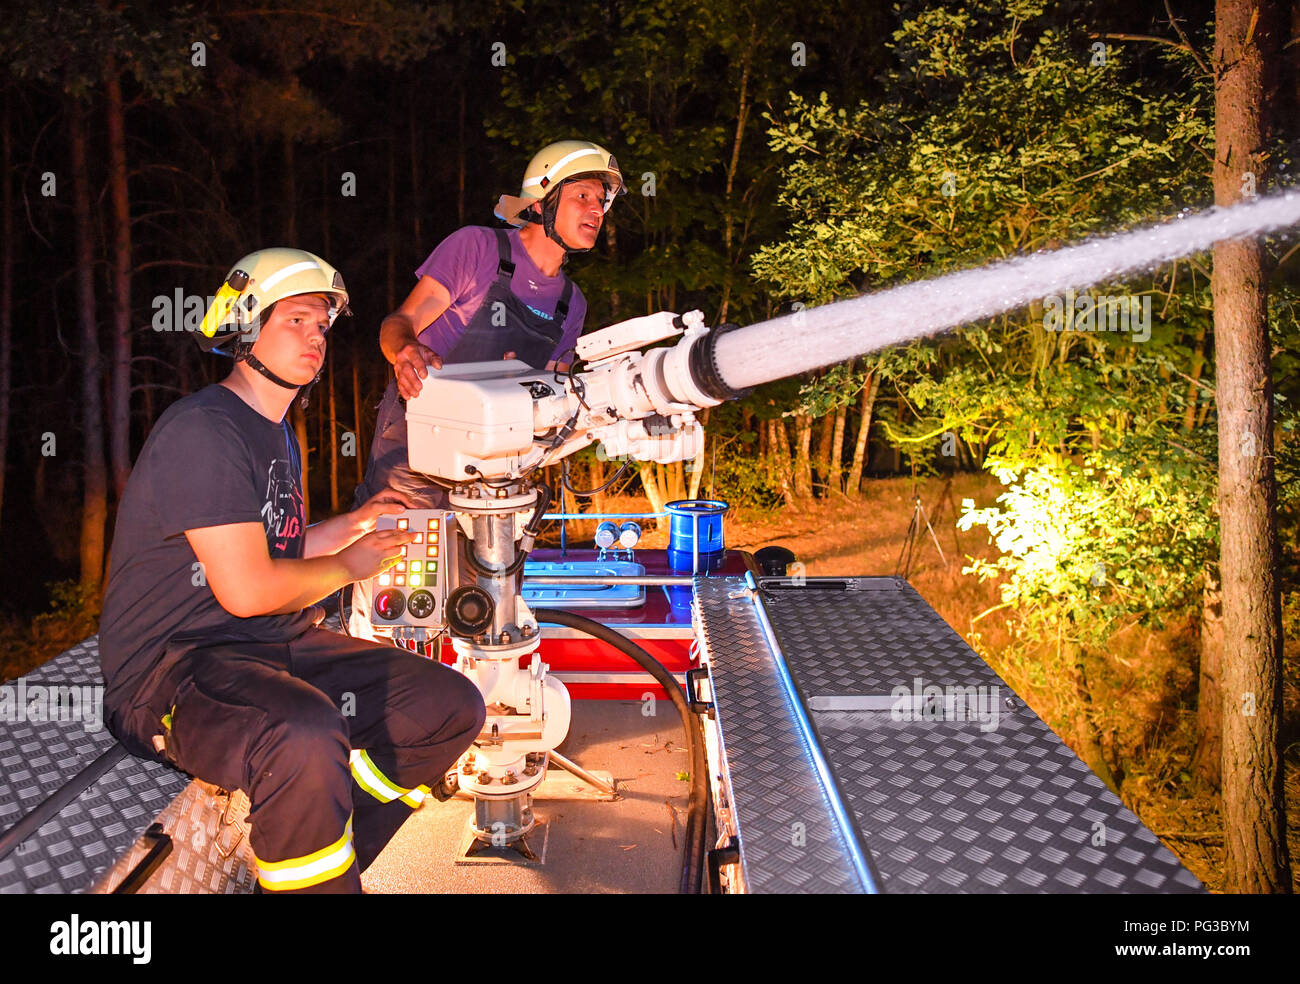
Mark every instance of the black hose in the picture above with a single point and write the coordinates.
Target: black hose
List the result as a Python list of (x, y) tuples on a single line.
[(544, 496), (696, 820)]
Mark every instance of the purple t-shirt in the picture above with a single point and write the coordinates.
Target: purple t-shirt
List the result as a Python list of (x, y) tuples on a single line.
[(466, 264)]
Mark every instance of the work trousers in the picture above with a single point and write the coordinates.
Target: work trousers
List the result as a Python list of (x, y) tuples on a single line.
[(334, 740)]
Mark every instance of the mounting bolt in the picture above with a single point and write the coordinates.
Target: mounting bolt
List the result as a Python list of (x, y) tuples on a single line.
[(530, 769), (467, 768), (505, 637), (526, 631), (501, 493), (510, 779), (484, 778)]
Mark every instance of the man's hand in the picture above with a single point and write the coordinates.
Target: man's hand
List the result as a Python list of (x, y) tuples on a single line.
[(375, 552), (385, 503), (400, 330), (411, 367)]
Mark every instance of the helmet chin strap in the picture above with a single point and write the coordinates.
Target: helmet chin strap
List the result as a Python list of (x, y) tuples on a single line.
[(550, 205), (244, 353)]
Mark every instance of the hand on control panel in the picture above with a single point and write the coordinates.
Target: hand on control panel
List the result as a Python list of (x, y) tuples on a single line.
[(375, 552)]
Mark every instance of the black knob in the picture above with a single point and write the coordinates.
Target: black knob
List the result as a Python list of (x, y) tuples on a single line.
[(421, 604), (773, 561), (469, 610)]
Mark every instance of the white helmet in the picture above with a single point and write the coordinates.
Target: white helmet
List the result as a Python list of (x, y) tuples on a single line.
[(256, 282), (550, 168)]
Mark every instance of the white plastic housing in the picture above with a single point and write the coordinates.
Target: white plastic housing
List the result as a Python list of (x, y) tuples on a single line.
[(478, 414)]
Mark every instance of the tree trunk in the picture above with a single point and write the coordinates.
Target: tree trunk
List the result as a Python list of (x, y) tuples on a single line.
[(299, 417), (869, 390), (802, 461), (675, 481), (391, 237), (1088, 738), (1193, 390), (333, 435), (596, 479), (1208, 760), (415, 170), (6, 288), (824, 438), (835, 475), (728, 217), (460, 161), (697, 465), (94, 509), (1246, 41), (358, 412), (653, 489), (119, 405), (290, 193), (611, 250), (779, 444), (898, 451)]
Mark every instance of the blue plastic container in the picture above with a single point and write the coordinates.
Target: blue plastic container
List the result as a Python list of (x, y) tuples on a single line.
[(695, 538)]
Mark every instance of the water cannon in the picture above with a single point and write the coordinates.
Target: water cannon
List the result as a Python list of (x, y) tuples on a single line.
[(501, 421)]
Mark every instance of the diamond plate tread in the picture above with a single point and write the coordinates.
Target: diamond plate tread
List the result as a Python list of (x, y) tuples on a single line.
[(210, 852), (70, 851), (999, 805), (37, 758), (772, 777)]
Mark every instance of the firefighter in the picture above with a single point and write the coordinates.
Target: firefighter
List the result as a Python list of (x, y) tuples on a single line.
[(209, 641), (485, 294)]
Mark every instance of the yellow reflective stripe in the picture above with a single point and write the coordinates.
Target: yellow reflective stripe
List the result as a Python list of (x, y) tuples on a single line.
[(370, 779), (312, 869), (415, 797)]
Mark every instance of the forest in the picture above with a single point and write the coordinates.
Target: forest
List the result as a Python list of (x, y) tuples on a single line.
[(778, 157)]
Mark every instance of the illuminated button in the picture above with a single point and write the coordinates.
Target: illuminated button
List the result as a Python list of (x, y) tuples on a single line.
[(432, 551), (400, 580), (385, 579), (403, 550), (401, 524), (416, 565), (433, 524), (431, 567), (401, 565), (419, 538), (415, 580)]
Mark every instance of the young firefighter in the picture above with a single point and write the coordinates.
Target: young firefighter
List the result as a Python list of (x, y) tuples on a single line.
[(208, 640), (485, 294)]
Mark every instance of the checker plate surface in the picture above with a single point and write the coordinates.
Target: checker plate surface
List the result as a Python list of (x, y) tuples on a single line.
[(70, 851), (210, 852), (789, 839), (997, 804)]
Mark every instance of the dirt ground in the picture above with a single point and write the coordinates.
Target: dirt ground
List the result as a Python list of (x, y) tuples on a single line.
[(1144, 697)]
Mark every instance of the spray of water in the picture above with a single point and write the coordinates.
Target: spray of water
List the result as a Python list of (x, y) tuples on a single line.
[(823, 336)]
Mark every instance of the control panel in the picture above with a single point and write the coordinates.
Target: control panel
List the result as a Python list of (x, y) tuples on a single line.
[(413, 592)]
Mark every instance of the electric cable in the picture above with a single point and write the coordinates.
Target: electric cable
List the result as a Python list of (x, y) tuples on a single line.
[(564, 479)]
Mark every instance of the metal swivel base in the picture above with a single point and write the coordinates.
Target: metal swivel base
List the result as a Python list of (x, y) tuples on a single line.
[(500, 832)]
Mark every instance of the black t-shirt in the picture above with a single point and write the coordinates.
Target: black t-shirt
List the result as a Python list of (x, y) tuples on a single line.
[(211, 460)]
